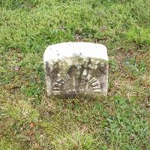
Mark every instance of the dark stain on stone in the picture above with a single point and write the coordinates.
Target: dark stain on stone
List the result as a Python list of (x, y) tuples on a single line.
[(88, 68), (55, 71), (47, 69), (101, 69), (72, 70), (102, 85)]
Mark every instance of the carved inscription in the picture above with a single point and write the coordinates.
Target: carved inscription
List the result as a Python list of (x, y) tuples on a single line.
[(79, 78)]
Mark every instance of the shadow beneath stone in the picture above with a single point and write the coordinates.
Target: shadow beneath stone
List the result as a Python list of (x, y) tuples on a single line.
[(82, 97)]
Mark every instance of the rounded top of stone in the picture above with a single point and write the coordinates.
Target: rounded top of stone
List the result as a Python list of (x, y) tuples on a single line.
[(70, 49)]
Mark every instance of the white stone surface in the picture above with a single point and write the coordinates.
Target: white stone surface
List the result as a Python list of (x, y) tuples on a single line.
[(71, 49), (76, 68)]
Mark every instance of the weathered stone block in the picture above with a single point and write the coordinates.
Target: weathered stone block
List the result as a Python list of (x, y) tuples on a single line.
[(76, 68)]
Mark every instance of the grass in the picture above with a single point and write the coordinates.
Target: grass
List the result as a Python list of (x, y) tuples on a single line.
[(31, 120)]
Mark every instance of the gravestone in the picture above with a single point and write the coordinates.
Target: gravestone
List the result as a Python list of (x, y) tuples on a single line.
[(76, 68)]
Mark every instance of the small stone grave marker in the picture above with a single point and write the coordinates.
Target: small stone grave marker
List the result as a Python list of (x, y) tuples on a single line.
[(76, 68)]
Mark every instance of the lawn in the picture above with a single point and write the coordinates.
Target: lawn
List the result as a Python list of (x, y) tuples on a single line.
[(29, 120)]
